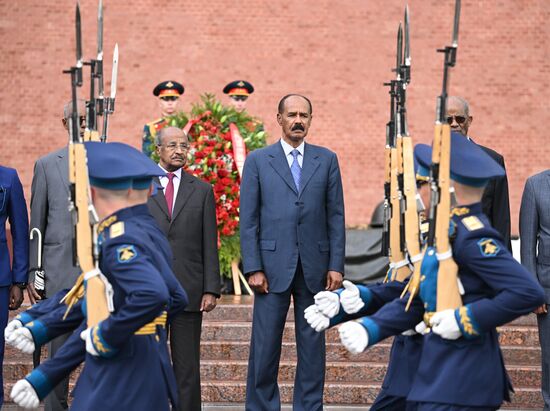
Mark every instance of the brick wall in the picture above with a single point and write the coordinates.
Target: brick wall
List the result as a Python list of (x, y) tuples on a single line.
[(337, 52)]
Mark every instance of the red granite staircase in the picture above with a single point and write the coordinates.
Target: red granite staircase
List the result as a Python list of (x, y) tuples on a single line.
[(350, 379)]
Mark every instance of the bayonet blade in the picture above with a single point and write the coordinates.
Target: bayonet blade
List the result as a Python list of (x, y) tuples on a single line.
[(407, 52), (115, 72), (399, 48), (100, 31), (457, 20), (78, 45)]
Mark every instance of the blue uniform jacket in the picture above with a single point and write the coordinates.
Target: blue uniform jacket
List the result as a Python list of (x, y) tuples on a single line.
[(14, 209), (140, 357), (469, 371)]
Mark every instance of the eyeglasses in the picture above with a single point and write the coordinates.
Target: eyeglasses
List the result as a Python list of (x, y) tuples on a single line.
[(169, 98), (239, 98), (174, 146), (458, 119)]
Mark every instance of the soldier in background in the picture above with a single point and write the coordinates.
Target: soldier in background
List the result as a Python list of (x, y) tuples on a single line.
[(168, 93), (238, 92)]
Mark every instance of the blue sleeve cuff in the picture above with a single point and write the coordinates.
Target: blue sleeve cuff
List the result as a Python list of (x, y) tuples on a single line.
[(365, 294), (372, 330), (25, 318), (39, 332), (40, 382), (100, 345), (339, 291), (467, 323)]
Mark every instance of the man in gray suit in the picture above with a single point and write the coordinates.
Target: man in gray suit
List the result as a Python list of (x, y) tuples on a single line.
[(534, 229), (50, 214), (185, 210), (292, 244)]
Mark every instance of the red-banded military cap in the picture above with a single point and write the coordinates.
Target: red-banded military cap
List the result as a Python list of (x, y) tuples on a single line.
[(239, 88), (168, 88)]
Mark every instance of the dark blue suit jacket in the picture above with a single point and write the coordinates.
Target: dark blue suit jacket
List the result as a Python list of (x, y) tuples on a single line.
[(278, 224), (14, 209)]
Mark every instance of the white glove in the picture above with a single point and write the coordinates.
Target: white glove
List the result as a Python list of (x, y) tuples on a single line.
[(328, 303), (10, 328), (354, 337), (24, 395), (408, 333), (444, 324), (317, 320), (350, 300), (422, 328), (22, 340), (86, 335)]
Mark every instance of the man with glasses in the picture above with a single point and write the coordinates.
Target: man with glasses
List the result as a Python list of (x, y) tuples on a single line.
[(185, 210), (168, 93), (238, 92), (50, 214), (495, 201)]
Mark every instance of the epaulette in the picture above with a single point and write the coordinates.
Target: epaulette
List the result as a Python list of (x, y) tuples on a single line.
[(116, 230), (460, 211), (472, 223), (155, 122), (106, 223)]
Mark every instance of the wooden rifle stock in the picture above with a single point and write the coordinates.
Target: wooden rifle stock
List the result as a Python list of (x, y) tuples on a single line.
[(397, 257), (448, 294), (96, 301)]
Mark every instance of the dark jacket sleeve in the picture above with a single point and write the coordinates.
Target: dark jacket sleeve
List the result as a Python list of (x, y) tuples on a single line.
[(528, 228), (210, 246), (335, 218), (19, 226)]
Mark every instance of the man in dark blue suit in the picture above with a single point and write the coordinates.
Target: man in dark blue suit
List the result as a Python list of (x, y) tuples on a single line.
[(292, 243), (13, 278)]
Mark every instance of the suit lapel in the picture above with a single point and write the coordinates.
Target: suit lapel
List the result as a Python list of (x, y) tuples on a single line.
[(309, 166), (280, 164), (185, 190), (159, 198), (62, 165)]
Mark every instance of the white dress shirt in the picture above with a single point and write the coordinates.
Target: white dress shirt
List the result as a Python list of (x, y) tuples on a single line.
[(287, 148), (176, 181)]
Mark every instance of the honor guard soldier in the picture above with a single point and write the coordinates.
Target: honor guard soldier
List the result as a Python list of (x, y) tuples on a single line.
[(238, 92), (128, 350), (461, 365), (168, 93)]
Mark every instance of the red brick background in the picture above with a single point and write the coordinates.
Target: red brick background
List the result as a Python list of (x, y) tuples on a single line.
[(336, 52)]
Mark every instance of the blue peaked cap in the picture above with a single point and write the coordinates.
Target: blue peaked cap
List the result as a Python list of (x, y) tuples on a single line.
[(470, 165), (118, 166)]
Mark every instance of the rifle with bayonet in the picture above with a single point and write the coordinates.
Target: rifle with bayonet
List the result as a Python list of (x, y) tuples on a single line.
[(399, 264), (81, 208), (94, 106), (438, 254)]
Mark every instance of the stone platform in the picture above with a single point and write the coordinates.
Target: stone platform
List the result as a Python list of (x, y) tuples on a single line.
[(351, 380)]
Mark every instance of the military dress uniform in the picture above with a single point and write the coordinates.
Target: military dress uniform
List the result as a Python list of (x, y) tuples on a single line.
[(130, 368), (150, 130), (466, 373)]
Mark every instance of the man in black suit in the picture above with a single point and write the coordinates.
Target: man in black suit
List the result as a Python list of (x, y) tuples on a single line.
[(186, 211), (495, 201)]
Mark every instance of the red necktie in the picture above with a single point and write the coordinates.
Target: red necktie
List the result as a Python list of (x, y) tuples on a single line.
[(169, 193)]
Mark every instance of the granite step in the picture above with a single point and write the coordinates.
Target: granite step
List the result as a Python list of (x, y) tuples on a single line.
[(345, 394), (239, 350), (526, 336)]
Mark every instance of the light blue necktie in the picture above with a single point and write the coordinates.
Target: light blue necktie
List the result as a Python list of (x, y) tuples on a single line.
[(295, 168)]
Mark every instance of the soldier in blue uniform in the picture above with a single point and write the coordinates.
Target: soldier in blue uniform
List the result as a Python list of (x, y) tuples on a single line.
[(127, 351), (461, 366), (168, 93), (356, 301)]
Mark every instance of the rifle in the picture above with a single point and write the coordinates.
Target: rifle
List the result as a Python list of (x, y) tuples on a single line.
[(94, 106), (84, 216), (438, 266), (109, 102), (399, 265)]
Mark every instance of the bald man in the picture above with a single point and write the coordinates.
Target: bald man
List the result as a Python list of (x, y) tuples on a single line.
[(496, 201)]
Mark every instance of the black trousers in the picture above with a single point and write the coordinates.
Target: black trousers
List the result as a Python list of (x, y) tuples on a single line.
[(185, 338)]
